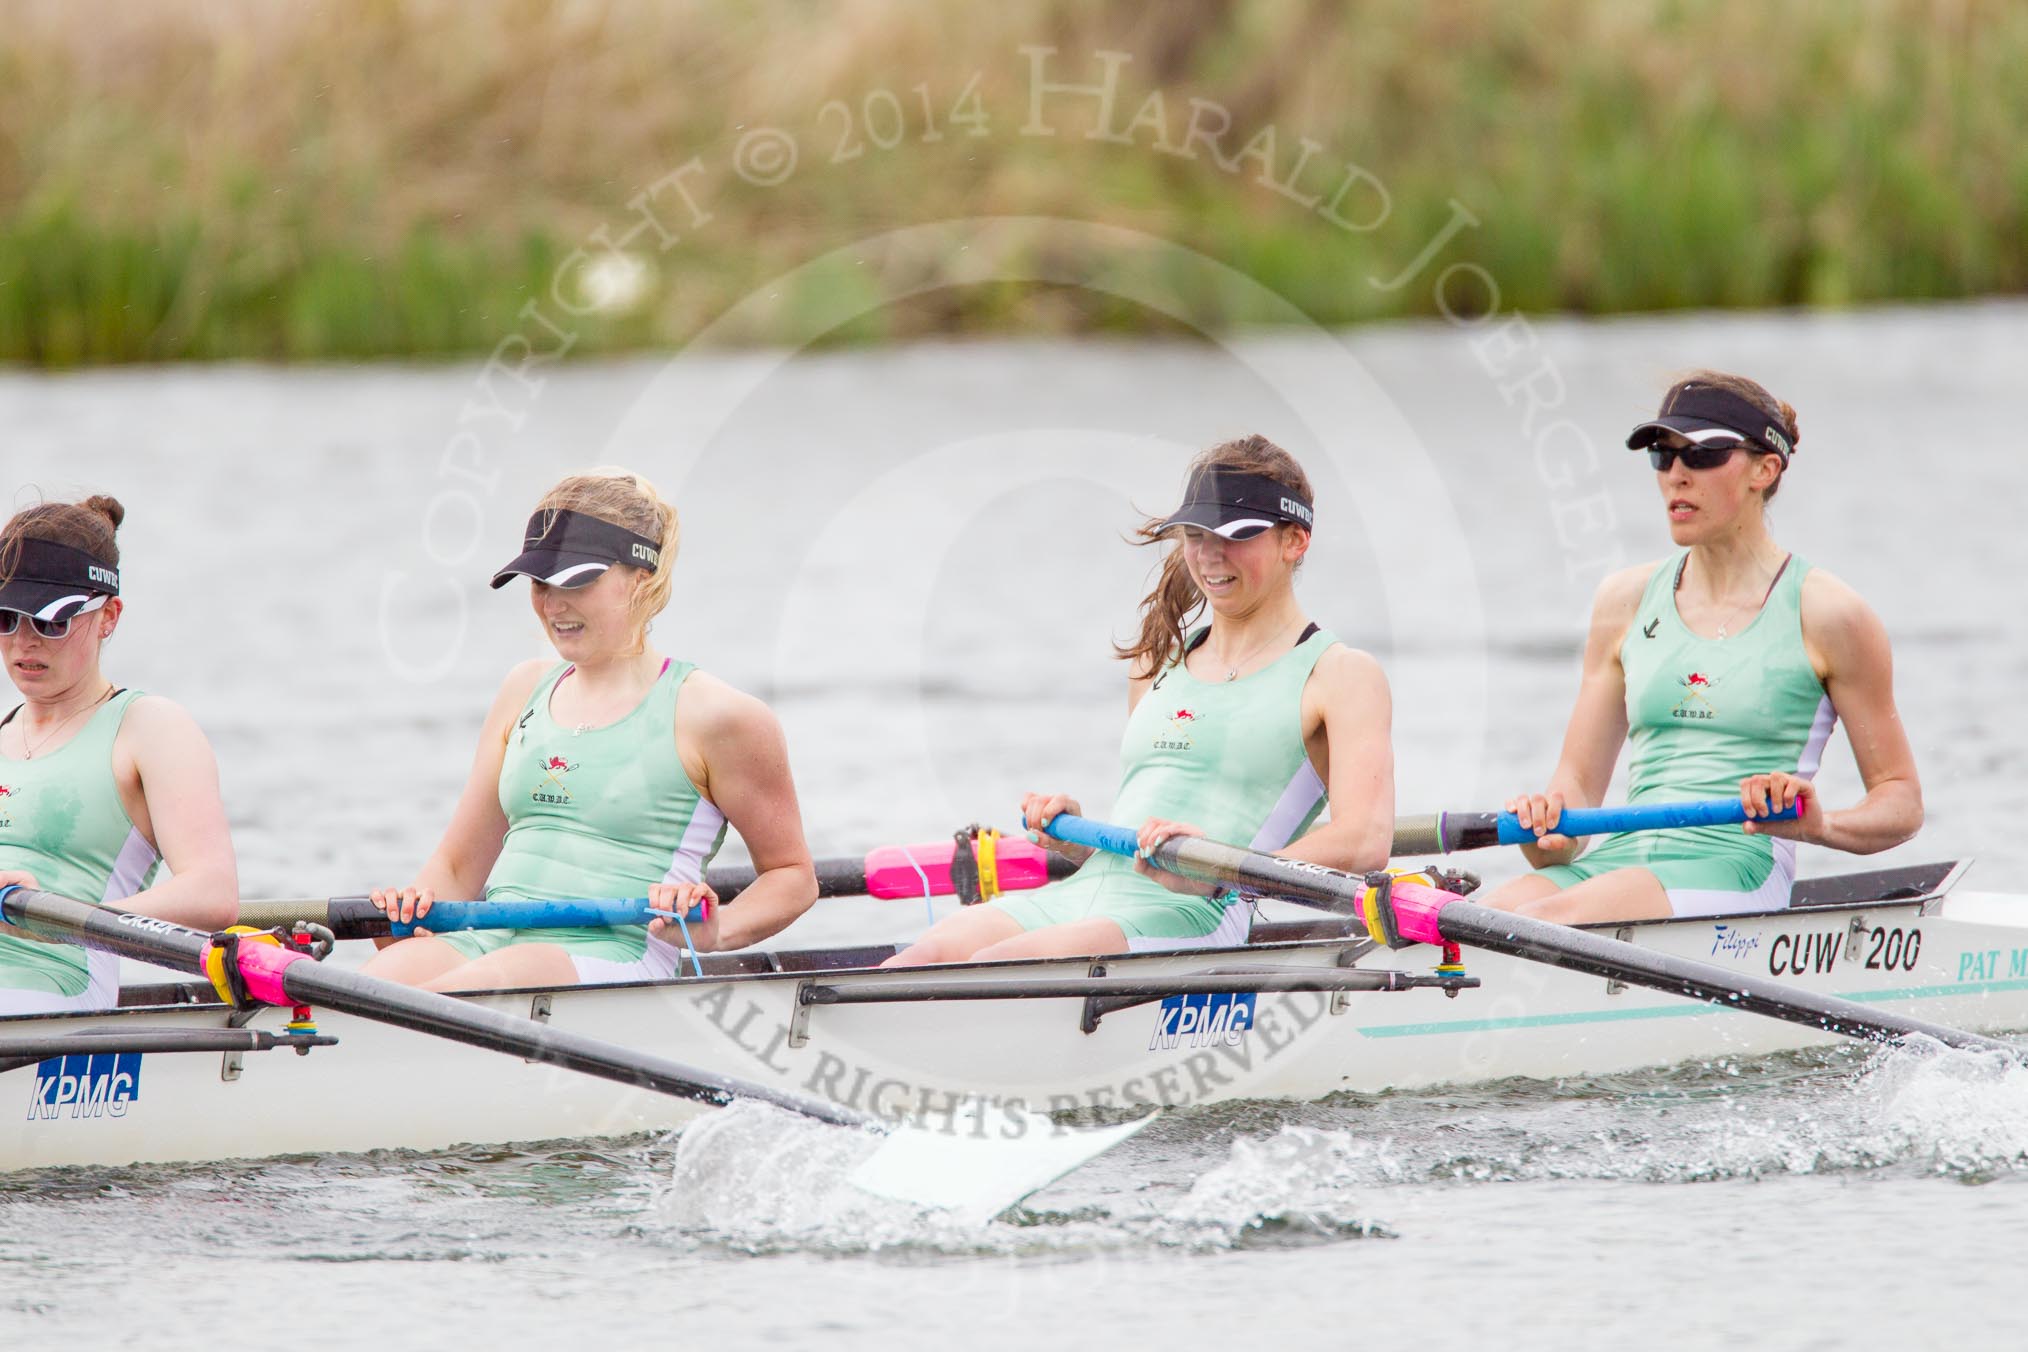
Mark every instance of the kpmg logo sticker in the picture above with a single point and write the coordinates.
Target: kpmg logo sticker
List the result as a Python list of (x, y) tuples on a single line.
[(93, 1084), (1732, 941), (1203, 1020)]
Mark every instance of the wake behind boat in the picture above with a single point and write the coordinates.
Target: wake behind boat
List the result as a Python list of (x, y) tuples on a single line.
[(1306, 1008)]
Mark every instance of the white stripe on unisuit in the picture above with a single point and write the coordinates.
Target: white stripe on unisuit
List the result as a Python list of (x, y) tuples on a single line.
[(130, 868), (1304, 792), (1771, 895), (1231, 931), (102, 991), (687, 864)]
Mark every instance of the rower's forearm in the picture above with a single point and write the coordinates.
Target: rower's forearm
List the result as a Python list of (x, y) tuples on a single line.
[(767, 906), (1887, 816), (1349, 848), (201, 898)]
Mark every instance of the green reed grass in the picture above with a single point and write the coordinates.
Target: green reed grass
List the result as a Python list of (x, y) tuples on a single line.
[(239, 179)]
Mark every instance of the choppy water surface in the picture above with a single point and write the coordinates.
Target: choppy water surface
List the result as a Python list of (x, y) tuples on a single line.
[(915, 555)]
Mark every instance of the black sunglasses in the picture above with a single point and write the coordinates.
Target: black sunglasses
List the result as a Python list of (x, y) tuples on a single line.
[(1694, 457)]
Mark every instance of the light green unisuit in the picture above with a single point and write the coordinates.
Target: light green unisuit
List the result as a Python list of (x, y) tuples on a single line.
[(61, 819), (1227, 756), (1703, 714), (599, 814)]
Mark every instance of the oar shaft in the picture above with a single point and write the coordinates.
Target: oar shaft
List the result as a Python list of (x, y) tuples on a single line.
[(1443, 832), (279, 975), (1584, 951), (1425, 913)]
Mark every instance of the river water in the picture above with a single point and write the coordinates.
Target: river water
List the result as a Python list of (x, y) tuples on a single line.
[(916, 555)]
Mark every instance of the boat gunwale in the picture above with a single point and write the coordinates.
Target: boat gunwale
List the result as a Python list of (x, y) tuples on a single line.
[(1953, 871)]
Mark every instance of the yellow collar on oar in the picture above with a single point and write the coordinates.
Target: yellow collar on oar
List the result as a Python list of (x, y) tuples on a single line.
[(988, 852)]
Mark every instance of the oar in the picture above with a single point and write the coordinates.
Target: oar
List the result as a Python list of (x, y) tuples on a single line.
[(976, 1173), (359, 918), (1443, 832), (892, 872), (1421, 914)]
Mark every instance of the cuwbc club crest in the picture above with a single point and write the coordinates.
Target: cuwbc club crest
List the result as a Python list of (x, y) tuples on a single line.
[(1177, 736), (6, 792), (1696, 701), (552, 789)]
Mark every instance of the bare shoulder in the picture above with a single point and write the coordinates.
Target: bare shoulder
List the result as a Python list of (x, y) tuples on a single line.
[(522, 680), (157, 719), (1826, 596), (1835, 615), (1619, 593), (1349, 669), (712, 709)]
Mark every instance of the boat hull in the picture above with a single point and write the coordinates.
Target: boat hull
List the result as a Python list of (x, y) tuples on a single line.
[(1961, 960)]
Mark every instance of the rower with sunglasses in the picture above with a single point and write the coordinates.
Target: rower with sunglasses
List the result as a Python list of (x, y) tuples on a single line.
[(98, 784), (1725, 665)]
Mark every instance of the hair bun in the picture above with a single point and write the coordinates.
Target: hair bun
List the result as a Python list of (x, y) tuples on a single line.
[(1795, 427), (109, 508)]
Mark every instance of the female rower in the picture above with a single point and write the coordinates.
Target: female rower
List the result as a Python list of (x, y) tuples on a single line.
[(1234, 729), (1726, 665), (98, 784), (610, 774)]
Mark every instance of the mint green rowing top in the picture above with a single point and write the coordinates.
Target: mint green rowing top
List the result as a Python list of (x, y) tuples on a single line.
[(61, 819), (1227, 756), (1704, 713), (599, 814)]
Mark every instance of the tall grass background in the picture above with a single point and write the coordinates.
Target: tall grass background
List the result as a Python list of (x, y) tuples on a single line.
[(247, 179)]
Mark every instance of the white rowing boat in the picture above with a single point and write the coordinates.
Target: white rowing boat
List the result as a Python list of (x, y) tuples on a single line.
[(1308, 1008)]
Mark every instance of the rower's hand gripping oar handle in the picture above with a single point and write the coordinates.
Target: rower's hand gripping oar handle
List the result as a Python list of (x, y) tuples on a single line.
[(1443, 832), (1094, 835)]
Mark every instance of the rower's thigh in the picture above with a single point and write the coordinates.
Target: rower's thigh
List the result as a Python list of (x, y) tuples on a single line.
[(1073, 939), (515, 965), (1623, 894), (413, 962), (958, 937), (1515, 893)]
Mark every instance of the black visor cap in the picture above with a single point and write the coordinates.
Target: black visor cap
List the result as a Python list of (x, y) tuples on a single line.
[(1706, 415), (571, 549), (1238, 505), (49, 581)]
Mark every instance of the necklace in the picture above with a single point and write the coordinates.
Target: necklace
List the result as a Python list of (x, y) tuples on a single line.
[(1232, 672), (1739, 610), (29, 749)]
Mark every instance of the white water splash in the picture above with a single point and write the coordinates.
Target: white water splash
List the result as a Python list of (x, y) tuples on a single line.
[(757, 1179), (1294, 1187)]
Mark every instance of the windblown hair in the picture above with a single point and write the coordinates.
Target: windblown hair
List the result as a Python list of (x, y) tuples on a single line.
[(627, 500), (91, 525), (1167, 611), (1778, 412)]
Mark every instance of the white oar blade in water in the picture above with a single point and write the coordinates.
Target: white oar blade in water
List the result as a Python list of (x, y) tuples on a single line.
[(977, 1177)]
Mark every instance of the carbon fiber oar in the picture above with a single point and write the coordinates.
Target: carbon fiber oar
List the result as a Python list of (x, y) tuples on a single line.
[(976, 1174), (1415, 913)]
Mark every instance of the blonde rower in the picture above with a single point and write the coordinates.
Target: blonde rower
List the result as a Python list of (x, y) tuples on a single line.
[(610, 772)]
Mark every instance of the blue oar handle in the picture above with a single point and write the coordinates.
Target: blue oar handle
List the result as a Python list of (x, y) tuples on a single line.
[(1599, 821), (1097, 835), (446, 917)]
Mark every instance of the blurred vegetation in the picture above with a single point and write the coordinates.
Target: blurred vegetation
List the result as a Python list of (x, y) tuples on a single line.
[(245, 179)]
